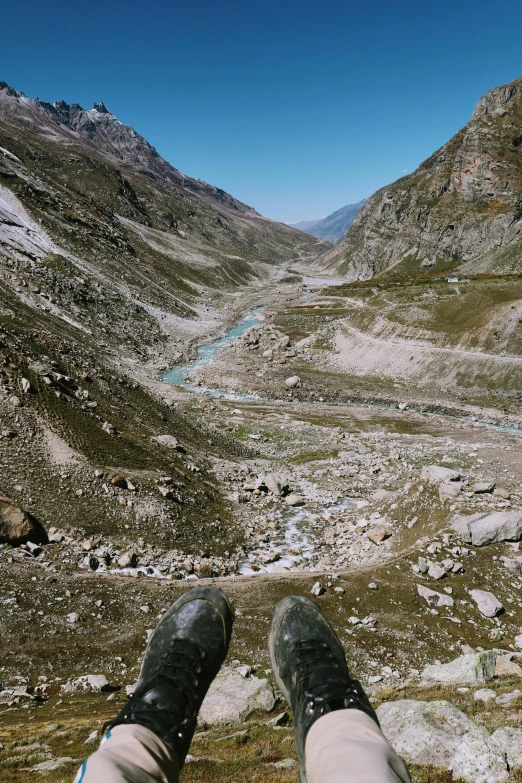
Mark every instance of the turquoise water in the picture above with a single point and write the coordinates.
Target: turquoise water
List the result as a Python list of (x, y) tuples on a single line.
[(206, 353)]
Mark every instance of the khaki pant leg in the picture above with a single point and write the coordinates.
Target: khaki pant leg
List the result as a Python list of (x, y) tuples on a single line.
[(130, 754), (347, 746)]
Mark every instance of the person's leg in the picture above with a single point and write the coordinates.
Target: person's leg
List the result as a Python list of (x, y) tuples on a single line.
[(148, 740), (337, 732), (133, 754)]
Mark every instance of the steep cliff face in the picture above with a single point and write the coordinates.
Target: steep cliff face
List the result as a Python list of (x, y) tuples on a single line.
[(461, 206)]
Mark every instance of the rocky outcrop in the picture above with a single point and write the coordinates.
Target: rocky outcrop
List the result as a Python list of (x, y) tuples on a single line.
[(469, 669), (485, 528), (18, 526), (463, 205), (234, 695)]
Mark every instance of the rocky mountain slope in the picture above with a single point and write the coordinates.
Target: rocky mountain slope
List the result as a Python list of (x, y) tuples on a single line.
[(112, 263), (333, 227), (462, 207)]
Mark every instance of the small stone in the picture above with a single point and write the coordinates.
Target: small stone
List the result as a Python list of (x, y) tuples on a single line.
[(423, 565), (485, 695), (72, 617), (373, 586), (293, 382), (280, 720), (318, 589), (93, 736), (26, 386)]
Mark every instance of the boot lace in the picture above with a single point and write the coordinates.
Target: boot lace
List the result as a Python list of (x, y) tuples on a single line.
[(335, 691), (180, 667)]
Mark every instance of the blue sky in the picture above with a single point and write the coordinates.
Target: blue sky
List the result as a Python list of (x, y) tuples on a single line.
[(296, 108)]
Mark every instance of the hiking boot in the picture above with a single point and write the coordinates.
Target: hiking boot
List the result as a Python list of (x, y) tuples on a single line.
[(183, 656), (310, 668)]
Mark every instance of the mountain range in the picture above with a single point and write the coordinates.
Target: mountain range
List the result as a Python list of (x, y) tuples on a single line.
[(333, 227)]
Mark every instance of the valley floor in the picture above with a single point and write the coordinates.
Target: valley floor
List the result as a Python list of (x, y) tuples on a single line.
[(326, 480)]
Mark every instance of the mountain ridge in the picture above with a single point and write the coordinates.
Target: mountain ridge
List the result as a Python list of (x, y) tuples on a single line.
[(460, 207), (333, 227)]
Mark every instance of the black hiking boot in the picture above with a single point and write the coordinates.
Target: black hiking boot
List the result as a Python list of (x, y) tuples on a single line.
[(310, 668), (183, 656)]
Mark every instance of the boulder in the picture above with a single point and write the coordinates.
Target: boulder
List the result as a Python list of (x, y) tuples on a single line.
[(424, 732), (505, 667), (169, 441), (470, 669), (44, 767), (232, 698), (273, 483), (295, 500), (379, 533), (478, 760), (436, 474), (489, 528), (436, 571), (128, 559), (18, 526), (293, 382), (483, 486), (90, 683), (485, 694), (434, 598), (449, 490), (486, 602), (509, 741)]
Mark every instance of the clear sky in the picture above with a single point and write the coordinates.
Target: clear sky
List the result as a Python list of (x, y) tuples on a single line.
[(296, 108)]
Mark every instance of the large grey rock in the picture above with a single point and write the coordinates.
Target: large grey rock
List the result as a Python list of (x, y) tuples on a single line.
[(424, 732), (51, 764), (486, 602), (293, 381), (478, 760), (449, 490), (167, 440), (436, 474), (232, 698), (509, 741), (434, 598), (93, 683), (505, 667), (485, 528), (470, 669)]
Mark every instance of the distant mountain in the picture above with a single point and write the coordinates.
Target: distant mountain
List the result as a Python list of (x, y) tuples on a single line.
[(463, 205), (306, 225), (333, 227)]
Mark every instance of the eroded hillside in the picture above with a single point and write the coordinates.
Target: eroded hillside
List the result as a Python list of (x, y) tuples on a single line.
[(460, 208)]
